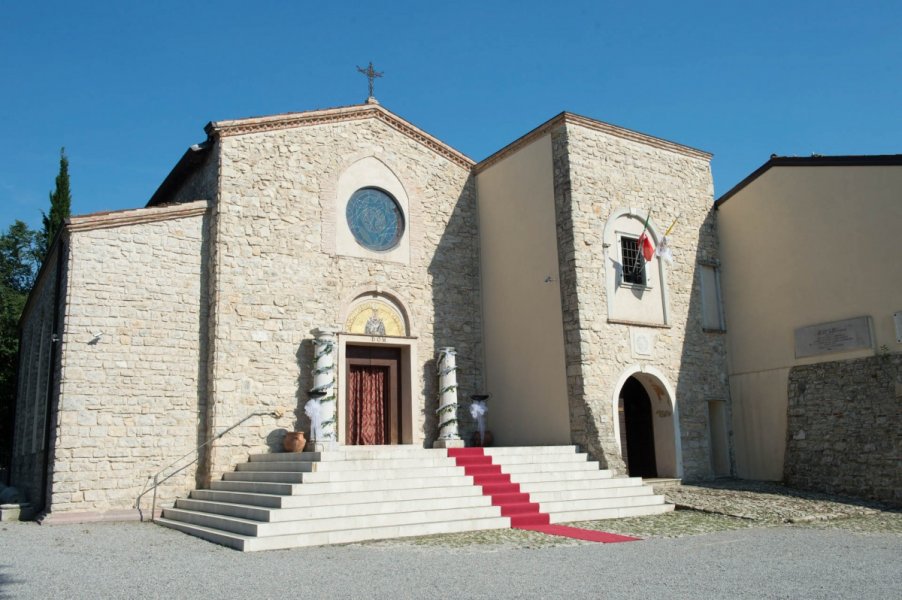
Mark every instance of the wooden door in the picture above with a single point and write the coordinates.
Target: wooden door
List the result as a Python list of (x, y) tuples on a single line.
[(373, 411)]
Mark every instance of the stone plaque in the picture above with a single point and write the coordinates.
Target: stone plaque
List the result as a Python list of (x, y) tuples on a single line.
[(897, 319), (643, 342), (838, 336)]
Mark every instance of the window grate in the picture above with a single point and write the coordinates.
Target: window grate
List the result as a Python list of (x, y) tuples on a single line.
[(633, 261)]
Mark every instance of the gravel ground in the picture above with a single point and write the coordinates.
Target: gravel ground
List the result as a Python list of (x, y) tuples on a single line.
[(685, 554)]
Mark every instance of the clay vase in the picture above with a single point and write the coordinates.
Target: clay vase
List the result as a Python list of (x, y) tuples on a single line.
[(294, 441)]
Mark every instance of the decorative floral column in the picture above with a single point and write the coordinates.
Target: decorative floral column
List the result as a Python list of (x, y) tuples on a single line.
[(321, 407), (446, 365)]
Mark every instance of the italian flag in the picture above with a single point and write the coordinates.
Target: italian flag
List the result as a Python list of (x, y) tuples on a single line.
[(645, 245)]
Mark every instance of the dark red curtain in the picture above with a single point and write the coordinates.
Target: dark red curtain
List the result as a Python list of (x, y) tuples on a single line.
[(366, 404)]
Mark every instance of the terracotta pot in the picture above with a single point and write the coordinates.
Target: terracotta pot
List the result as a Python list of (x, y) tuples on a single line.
[(294, 441), (475, 442)]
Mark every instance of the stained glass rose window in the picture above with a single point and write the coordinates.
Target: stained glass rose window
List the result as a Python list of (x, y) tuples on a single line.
[(375, 219)]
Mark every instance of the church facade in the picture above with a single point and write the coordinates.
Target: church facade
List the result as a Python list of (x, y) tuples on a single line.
[(152, 331)]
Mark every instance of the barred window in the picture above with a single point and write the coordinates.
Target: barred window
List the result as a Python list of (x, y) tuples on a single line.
[(632, 261)]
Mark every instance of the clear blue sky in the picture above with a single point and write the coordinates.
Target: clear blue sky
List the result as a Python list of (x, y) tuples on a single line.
[(127, 87)]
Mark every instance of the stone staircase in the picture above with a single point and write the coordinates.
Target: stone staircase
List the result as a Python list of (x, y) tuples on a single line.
[(376, 492)]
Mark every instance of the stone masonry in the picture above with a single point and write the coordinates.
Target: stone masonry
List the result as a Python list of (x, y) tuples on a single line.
[(196, 315), (843, 427), (596, 173), (132, 395), (275, 281), (36, 364)]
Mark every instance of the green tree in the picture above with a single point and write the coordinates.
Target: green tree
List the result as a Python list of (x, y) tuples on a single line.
[(18, 267), (60, 207)]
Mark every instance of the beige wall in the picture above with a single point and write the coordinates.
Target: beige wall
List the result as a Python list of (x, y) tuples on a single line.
[(524, 340), (802, 246)]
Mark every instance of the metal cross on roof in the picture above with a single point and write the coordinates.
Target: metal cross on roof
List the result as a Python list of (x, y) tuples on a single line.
[(371, 74)]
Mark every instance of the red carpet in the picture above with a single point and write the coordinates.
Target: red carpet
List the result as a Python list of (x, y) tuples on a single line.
[(515, 504)]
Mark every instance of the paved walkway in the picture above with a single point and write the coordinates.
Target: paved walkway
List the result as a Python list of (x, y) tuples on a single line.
[(686, 554)]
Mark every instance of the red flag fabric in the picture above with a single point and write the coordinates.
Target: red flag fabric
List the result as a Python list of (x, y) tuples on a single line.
[(648, 249)]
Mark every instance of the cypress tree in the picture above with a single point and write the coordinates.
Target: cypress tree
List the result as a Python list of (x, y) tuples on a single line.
[(60, 206)]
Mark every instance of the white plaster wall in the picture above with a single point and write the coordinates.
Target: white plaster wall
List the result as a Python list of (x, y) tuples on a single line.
[(524, 339), (801, 246)]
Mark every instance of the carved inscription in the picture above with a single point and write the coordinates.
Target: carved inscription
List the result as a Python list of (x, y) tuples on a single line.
[(838, 336)]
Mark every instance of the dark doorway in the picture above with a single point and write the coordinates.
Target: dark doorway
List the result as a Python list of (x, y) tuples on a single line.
[(637, 435), (373, 414)]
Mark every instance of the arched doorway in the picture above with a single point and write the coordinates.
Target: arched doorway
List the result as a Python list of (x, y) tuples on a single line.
[(637, 434), (376, 351), (647, 424)]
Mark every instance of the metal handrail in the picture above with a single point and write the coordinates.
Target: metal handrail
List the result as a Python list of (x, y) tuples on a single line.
[(156, 476)]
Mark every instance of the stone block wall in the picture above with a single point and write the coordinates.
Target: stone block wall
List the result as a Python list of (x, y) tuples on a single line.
[(132, 397), (37, 360), (843, 427), (596, 173), (277, 278)]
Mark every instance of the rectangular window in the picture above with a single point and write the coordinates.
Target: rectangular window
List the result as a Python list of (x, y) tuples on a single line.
[(712, 308), (633, 263)]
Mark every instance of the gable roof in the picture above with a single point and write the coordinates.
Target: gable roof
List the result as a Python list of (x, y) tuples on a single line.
[(196, 155), (370, 110), (859, 160), (596, 125)]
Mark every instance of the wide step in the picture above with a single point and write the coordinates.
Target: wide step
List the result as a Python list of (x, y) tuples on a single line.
[(360, 493)]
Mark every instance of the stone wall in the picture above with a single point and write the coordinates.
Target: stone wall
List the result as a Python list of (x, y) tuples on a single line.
[(132, 397), (36, 361), (596, 173), (843, 427), (276, 279)]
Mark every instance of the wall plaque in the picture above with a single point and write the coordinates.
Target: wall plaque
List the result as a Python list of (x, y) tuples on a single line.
[(838, 336)]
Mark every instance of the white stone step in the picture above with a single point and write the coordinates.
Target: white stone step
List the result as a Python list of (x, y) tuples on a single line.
[(350, 494), (379, 474), (558, 457), (251, 544), (609, 513), (263, 529), (369, 485), (377, 506), (380, 453), (348, 465), (591, 493), (256, 487), (545, 476), (530, 450), (517, 468), (273, 476), (282, 466), (561, 506), (577, 484), (308, 499)]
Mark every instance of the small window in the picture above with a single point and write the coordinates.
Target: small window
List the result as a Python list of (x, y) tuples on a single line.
[(633, 263), (712, 308)]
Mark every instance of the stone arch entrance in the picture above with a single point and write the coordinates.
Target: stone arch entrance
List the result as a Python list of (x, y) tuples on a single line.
[(376, 354), (637, 434), (646, 424)]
